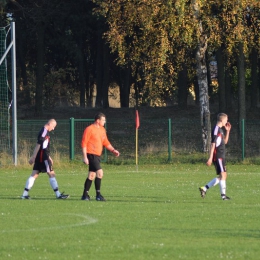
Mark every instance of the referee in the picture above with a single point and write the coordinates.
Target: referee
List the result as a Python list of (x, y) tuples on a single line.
[(93, 140)]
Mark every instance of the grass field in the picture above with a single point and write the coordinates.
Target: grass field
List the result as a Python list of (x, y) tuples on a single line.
[(153, 213)]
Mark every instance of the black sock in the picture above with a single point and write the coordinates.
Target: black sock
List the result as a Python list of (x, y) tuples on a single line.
[(97, 185), (87, 186)]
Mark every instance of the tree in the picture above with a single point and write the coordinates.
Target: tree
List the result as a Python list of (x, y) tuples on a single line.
[(221, 79), (182, 83), (241, 83), (255, 81), (68, 37), (39, 15), (238, 21), (202, 78), (151, 33), (151, 41), (139, 40)]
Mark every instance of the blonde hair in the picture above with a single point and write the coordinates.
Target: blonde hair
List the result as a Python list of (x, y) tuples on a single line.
[(220, 116), (51, 121)]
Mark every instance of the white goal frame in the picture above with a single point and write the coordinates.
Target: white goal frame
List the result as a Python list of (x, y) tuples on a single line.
[(12, 47)]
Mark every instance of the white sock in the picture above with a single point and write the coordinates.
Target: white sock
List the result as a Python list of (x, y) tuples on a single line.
[(213, 182), (54, 185), (28, 185), (222, 185)]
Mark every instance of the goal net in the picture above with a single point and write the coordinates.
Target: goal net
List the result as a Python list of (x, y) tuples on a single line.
[(4, 93)]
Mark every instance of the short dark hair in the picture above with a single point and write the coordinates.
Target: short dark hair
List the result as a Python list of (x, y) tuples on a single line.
[(99, 115)]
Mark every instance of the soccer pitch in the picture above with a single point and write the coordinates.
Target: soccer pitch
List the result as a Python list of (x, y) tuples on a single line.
[(153, 213)]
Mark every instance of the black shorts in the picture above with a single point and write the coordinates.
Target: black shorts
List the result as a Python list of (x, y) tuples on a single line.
[(220, 165), (45, 166), (94, 162)]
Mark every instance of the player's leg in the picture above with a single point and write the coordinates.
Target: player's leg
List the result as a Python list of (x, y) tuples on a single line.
[(98, 179), (221, 171), (87, 185), (53, 181), (95, 172), (29, 183), (55, 187), (222, 185), (210, 184), (97, 167), (90, 178), (222, 178)]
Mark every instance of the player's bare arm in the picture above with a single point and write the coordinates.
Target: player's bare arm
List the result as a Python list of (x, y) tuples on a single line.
[(113, 150), (84, 154), (36, 150), (228, 128), (212, 148), (116, 153), (51, 160)]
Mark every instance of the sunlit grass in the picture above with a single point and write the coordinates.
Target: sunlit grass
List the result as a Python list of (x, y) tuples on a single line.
[(153, 212)]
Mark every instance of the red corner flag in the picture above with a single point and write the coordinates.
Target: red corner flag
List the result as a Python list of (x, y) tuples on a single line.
[(137, 121)]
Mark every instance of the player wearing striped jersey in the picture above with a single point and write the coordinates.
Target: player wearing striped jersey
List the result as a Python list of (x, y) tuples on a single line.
[(217, 155), (43, 162), (93, 140)]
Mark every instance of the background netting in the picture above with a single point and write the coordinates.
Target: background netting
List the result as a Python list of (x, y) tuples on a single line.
[(153, 137), (4, 103)]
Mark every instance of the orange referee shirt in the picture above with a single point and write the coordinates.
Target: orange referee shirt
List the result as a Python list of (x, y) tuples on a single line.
[(94, 139)]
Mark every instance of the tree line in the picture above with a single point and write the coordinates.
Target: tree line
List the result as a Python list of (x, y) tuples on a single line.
[(161, 49)]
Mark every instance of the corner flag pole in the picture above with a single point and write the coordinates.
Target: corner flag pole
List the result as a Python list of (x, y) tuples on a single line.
[(137, 124)]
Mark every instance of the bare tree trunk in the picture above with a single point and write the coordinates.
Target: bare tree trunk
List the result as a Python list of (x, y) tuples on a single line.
[(39, 69), (228, 90), (204, 99), (210, 85), (196, 90), (82, 81), (221, 80), (99, 68), (202, 81), (125, 86), (90, 90), (254, 76), (241, 84), (106, 75), (258, 75), (21, 52), (182, 84)]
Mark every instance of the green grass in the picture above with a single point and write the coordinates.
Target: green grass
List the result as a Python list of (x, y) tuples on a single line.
[(153, 213)]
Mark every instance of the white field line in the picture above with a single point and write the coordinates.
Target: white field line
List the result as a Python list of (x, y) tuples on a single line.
[(86, 221)]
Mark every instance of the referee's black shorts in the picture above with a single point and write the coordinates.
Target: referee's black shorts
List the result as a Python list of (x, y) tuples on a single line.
[(94, 162)]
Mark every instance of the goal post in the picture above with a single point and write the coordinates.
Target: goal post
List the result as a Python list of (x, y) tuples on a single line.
[(11, 47)]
